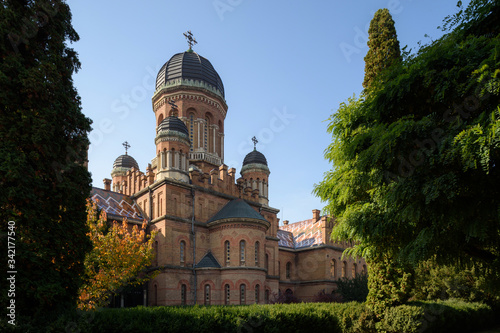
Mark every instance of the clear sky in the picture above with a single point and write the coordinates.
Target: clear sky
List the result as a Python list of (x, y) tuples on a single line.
[(285, 65)]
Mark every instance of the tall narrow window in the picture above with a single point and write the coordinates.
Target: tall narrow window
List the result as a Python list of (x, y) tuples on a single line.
[(242, 252), (227, 294), (242, 294), (257, 294), (153, 208), (279, 269), (207, 294), (191, 125), (183, 294), (266, 296), (183, 252), (288, 269), (155, 295), (332, 268), (156, 253), (354, 269), (266, 263), (227, 246), (257, 251), (344, 269)]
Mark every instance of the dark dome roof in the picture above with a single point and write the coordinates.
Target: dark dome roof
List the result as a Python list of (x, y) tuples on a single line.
[(173, 124), (237, 208), (189, 65), (125, 161), (255, 157)]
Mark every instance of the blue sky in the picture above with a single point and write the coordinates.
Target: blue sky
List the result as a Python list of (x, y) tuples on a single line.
[(285, 65)]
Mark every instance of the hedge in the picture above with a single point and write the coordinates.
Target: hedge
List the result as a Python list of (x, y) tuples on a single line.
[(441, 316)]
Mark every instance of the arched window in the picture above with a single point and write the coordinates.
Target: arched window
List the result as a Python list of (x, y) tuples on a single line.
[(266, 296), (183, 252), (288, 269), (279, 269), (183, 294), (257, 294), (205, 132), (227, 247), (160, 118), (242, 252), (257, 251), (242, 294), (344, 269), (266, 263), (354, 269), (207, 294), (333, 265), (227, 293)]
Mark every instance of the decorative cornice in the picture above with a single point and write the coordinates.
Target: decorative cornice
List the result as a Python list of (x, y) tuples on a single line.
[(239, 223), (159, 99), (257, 167)]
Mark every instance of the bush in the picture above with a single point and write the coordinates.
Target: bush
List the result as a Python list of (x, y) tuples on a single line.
[(352, 317), (355, 289)]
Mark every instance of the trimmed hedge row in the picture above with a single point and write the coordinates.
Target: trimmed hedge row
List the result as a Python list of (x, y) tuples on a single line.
[(445, 316)]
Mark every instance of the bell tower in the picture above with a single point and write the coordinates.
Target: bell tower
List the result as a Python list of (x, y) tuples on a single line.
[(191, 82)]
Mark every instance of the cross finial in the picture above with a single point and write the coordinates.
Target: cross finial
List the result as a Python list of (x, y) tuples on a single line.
[(190, 38), (254, 139), (127, 146)]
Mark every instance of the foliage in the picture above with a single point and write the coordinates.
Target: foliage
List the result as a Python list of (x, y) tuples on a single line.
[(119, 256), (433, 281), (43, 143), (415, 161), (389, 283), (383, 46), (442, 316), (323, 297), (354, 289)]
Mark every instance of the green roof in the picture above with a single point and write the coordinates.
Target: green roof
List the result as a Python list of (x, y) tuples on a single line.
[(237, 208)]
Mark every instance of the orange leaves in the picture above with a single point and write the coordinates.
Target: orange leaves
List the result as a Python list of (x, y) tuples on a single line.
[(119, 254)]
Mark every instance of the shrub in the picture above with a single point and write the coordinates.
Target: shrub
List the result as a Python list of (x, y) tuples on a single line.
[(355, 289)]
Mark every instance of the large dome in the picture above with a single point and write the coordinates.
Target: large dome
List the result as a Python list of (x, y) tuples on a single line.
[(125, 161), (189, 68), (255, 157)]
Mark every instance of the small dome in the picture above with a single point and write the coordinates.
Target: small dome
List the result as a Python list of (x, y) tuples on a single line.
[(125, 161), (172, 124), (255, 157), (191, 66)]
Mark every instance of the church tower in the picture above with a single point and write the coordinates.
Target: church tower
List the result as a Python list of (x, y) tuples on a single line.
[(191, 82), (255, 174)]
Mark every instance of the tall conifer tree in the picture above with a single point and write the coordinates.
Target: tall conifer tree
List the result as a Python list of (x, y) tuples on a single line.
[(383, 46), (43, 141)]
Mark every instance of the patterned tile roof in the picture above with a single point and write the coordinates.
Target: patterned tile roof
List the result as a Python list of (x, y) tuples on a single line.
[(116, 204), (300, 234)]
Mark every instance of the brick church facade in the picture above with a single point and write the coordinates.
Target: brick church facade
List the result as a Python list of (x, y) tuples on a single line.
[(219, 239)]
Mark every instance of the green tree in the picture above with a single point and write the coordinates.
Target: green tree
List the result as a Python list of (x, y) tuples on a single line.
[(43, 141), (416, 160), (383, 46)]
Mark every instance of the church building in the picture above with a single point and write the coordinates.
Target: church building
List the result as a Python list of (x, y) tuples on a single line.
[(219, 240)]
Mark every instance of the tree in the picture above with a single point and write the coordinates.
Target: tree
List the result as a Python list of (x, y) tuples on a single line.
[(415, 161), (43, 143), (119, 257), (383, 46)]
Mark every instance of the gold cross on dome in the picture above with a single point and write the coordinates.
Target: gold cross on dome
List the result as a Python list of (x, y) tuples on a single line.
[(190, 38)]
